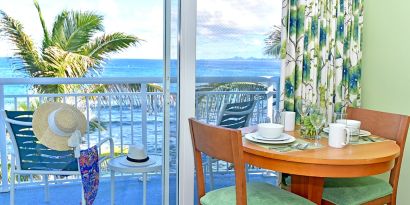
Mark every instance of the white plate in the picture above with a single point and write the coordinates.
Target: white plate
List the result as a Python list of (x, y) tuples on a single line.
[(280, 138), (251, 137), (363, 133)]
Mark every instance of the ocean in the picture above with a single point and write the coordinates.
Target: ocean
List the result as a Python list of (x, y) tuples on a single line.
[(154, 68), (121, 128)]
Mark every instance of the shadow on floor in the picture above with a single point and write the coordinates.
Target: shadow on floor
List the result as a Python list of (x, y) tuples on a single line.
[(128, 191)]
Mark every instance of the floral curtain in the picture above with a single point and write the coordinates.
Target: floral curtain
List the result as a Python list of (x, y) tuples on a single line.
[(321, 53)]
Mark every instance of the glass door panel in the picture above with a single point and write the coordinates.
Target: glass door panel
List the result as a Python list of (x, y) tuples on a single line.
[(236, 63)]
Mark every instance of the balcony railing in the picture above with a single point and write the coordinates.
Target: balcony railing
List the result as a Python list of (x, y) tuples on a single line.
[(130, 117)]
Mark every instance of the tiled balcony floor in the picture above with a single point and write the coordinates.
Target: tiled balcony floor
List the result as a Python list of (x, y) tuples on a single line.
[(128, 191)]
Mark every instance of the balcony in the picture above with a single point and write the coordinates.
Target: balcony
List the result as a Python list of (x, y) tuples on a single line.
[(128, 117)]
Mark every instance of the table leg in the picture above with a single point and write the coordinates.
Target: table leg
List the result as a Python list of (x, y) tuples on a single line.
[(144, 189), (112, 187), (308, 187)]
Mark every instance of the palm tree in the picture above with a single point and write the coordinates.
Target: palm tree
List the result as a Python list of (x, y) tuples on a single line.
[(70, 49), (273, 42)]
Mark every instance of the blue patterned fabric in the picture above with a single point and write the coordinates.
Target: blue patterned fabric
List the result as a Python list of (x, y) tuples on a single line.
[(90, 173)]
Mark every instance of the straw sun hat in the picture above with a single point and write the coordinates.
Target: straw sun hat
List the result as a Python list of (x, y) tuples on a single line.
[(54, 123)]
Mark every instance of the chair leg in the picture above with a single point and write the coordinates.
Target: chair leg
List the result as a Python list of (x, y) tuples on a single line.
[(12, 187), (211, 174), (247, 172), (46, 188), (279, 179), (82, 197), (112, 187)]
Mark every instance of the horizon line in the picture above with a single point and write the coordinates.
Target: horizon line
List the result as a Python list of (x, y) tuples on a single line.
[(231, 58)]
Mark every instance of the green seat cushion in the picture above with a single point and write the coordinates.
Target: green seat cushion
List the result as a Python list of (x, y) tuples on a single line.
[(351, 191), (258, 194)]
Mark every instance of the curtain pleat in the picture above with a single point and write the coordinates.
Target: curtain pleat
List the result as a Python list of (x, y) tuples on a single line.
[(321, 53)]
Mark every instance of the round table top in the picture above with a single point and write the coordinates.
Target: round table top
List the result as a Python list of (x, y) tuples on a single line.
[(378, 156), (115, 165)]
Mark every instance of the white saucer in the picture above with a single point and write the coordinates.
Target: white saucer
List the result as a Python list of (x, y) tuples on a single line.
[(251, 137), (363, 133), (282, 137)]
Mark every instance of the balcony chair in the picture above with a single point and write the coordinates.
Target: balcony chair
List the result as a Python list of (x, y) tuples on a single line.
[(226, 144), (234, 116), (371, 190), (29, 157)]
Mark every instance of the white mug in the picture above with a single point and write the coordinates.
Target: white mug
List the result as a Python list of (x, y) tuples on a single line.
[(339, 135), (288, 120)]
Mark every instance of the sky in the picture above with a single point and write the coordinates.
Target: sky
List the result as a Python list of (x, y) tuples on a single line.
[(225, 28)]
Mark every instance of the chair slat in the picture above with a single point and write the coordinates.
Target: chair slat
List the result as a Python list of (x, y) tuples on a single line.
[(50, 166), (236, 115)]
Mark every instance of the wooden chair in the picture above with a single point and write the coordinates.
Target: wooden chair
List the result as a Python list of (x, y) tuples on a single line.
[(361, 190), (226, 144), (234, 116)]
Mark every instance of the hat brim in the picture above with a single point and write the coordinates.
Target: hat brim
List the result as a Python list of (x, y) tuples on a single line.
[(45, 135), (123, 161)]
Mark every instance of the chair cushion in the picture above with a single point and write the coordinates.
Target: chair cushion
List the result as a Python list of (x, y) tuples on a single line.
[(258, 194), (350, 191)]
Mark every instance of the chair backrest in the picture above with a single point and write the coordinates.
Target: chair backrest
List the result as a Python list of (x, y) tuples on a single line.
[(387, 125), (220, 143), (29, 153), (235, 115)]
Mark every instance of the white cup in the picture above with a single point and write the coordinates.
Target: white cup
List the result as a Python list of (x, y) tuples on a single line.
[(288, 120), (352, 125), (270, 130), (339, 135)]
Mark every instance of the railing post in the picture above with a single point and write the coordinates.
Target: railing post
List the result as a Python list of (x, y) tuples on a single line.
[(270, 98), (276, 81), (3, 147), (144, 98)]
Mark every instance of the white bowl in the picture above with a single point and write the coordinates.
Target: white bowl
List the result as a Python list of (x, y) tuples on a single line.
[(270, 130), (350, 123)]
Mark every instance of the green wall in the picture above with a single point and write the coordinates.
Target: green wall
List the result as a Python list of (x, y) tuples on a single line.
[(386, 68)]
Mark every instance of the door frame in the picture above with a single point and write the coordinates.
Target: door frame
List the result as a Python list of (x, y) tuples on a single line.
[(186, 100)]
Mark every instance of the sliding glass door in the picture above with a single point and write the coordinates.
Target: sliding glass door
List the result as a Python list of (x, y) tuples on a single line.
[(127, 91)]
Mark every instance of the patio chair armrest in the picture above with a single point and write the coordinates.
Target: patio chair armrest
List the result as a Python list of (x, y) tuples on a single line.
[(111, 143), (16, 122)]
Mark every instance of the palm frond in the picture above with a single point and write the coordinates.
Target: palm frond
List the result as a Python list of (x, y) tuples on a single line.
[(46, 40), (273, 42), (25, 49), (74, 29), (68, 50), (67, 64), (109, 43), (57, 35)]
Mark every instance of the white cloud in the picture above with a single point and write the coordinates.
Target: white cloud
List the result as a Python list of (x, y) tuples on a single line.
[(241, 16), (221, 23), (235, 27)]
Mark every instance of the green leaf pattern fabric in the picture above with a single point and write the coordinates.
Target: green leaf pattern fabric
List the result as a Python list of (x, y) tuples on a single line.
[(322, 55)]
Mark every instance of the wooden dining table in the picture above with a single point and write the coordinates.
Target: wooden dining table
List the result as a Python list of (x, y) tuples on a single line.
[(308, 168)]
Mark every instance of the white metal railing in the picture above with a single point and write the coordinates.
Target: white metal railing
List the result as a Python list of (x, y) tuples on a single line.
[(130, 117)]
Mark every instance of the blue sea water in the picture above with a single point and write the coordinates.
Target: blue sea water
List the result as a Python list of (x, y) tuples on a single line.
[(154, 68), (121, 126)]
